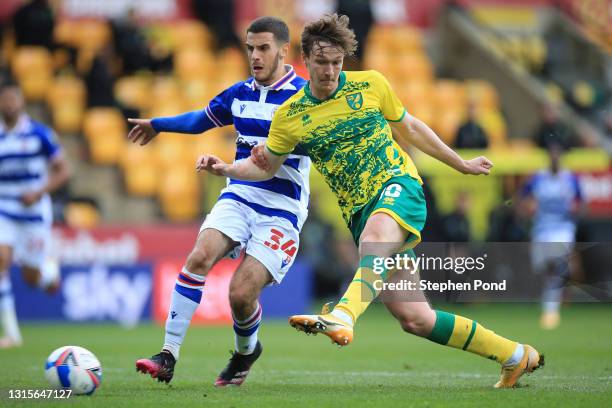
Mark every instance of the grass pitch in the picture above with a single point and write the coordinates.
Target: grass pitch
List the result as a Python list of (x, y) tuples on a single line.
[(383, 367)]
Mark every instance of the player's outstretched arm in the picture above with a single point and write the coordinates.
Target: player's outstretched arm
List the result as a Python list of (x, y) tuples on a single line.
[(191, 122), (412, 131), (244, 169)]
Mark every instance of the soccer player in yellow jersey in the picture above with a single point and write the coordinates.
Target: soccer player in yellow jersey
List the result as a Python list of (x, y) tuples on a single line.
[(356, 131)]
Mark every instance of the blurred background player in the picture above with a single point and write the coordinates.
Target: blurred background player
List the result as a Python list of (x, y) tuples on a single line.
[(32, 165), (264, 218), (555, 194), (345, 121)]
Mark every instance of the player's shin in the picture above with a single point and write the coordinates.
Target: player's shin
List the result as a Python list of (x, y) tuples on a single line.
[(362, 291), (7, 311), (465, 334), (245, 331), (186, 298)]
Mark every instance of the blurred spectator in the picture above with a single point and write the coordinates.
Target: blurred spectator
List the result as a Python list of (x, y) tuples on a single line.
[(130, 43), (218, 15), (552, 130), (361, 19), (470, 134), (456, 226), (506, 221), (99, 80), (33, 24)]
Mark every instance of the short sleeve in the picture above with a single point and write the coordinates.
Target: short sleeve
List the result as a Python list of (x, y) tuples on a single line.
[(390, 105), (219, 110), (529, 186), (280, 141), (49, 144)]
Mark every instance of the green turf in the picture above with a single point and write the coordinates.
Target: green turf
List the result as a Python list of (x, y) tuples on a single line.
[(383, 367)]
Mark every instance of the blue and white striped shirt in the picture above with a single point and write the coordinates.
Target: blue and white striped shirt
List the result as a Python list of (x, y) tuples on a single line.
[(25, 153), (250, 107)]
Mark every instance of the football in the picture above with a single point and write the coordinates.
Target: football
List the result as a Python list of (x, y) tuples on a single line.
[(74, 368)]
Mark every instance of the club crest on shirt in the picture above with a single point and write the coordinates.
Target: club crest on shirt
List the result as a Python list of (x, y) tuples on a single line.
[(355, 101)]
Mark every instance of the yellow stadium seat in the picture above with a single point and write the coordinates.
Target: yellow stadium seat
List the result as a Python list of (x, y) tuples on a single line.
[(66, 88), (192, 62), (84, 34), (106, 131), (415, 93), (189, 34), (446, 123), (81, 215), (171, 149), (233, 60), (134, 91), (449, 94), (494, 126), (414, 67), (179, 193), (107, 148), (197, 93), (33, 68), (67, 118), (99, 122), (66, 99), (141, 178), (218, 141), (406, 39), (165, 88), (377, 59), (482, 93)]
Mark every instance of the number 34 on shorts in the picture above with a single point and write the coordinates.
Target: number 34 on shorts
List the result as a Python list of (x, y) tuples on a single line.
[(278, 242)]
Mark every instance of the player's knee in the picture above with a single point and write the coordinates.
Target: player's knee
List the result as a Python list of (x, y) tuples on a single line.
[(415, 324), (200, 261)]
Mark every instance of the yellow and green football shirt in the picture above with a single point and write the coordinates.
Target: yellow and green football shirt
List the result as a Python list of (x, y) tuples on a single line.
[(346, 136)]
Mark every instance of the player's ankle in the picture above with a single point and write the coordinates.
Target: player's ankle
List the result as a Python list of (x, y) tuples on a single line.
[(342, 315), (516, 357)]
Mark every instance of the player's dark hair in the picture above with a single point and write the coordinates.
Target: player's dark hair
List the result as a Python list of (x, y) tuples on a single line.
[(273, 25), (331, 28)]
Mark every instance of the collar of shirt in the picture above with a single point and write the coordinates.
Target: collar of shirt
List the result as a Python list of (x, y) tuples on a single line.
[(22, 125), (278, 85)]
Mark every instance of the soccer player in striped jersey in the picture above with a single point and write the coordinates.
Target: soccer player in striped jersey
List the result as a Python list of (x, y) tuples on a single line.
[(263, 218), (557, 198), (32, 165), (346, 122)]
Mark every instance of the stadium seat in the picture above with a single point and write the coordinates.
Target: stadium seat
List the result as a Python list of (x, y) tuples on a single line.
[(482, 93), (446, 123), (92, 35), (106, 131), (140, 170), (189, 34), (232, 60), (134, 91), (415, 93), (197, 93), (193, 63), (219, 141), (81, 215), (450, 94), (33, 68), (494, 126), (66, 100), (412, 67), (178, 192)]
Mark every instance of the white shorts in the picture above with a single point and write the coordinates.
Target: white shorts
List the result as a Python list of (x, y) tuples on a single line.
[(30, 241), (271, 240), (545, 254)]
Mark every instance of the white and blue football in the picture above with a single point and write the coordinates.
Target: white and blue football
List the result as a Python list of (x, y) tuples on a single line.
[(74, 368)]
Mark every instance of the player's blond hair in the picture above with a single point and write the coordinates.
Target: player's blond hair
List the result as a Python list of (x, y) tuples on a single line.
[(331, 28)]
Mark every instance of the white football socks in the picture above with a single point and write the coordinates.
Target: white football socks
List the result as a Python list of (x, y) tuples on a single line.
[(186, 298), (7, 309), (245, 332)]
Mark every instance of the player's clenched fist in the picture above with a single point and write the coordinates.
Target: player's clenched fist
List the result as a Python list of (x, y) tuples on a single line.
[(479, 165), (210, 163)]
